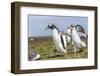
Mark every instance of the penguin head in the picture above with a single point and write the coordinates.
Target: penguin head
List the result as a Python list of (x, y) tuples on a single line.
[(72, 27), (52, 26), (80, 28)]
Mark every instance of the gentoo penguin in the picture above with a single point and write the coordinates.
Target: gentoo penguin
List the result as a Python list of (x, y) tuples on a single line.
[(58, 38), (77, 41)]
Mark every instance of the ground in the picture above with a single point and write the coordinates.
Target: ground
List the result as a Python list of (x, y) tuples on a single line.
[(45, 47)]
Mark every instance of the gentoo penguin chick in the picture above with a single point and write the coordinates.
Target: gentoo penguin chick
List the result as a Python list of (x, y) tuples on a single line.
[(58, 38), (77, 41)]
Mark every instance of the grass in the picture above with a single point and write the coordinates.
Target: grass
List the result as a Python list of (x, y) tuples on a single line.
[(45, 47)]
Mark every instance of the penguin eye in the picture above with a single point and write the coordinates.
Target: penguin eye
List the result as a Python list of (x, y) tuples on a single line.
[(49, 25)]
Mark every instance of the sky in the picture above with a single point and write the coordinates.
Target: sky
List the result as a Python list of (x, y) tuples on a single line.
[(37, 23)]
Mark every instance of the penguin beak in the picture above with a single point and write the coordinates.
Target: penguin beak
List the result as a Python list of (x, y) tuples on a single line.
[(45, 29)]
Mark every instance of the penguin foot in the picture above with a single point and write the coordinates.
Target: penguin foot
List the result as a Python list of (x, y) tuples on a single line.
[(75, 51), (65, 54), (54, 50)]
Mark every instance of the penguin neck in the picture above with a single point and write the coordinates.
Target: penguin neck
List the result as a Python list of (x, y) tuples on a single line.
[(55, 31), (69, 31), (74, 31), (75, 36)]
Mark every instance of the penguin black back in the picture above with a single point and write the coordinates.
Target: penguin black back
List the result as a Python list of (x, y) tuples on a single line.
[(80, 28), (62, 41)]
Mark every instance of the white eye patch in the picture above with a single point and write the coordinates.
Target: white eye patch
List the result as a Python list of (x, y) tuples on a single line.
[(50, 24)]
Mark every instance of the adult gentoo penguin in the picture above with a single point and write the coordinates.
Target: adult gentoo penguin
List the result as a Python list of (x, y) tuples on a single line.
[(76, 38), (58, 38)]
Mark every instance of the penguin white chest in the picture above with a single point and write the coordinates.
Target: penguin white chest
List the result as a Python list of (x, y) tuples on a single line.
[(57, 40), (76, 39), (56, 36)]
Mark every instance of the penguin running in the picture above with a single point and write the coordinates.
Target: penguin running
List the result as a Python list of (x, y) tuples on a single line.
[(58, 38), (77, 41)]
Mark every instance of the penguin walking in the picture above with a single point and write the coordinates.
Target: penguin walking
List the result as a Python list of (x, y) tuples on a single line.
[(58, 38), (76, 38)]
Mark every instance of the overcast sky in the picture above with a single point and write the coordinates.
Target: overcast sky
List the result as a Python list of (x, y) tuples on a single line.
[(37, 24)]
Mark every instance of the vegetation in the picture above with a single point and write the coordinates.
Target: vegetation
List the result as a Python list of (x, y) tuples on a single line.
[(46, 48)]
